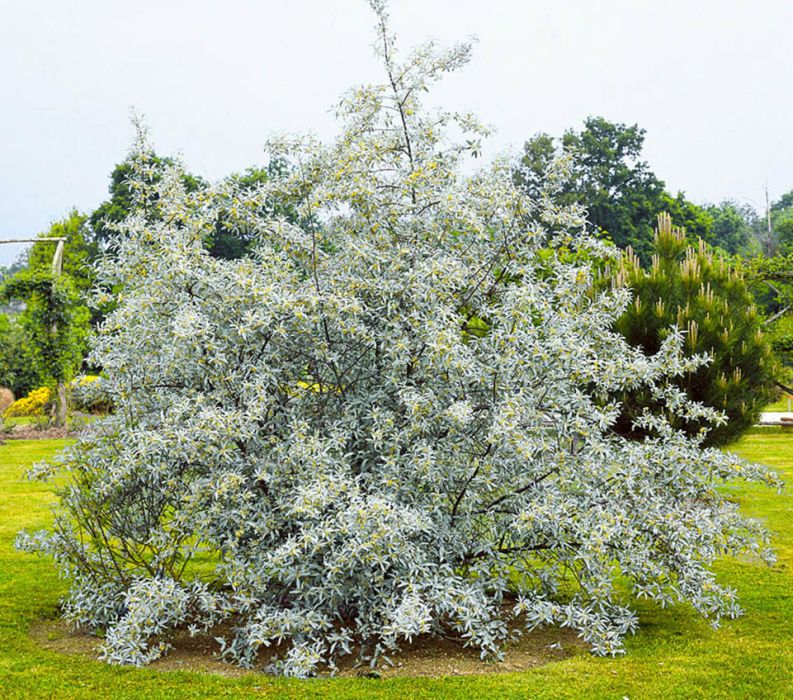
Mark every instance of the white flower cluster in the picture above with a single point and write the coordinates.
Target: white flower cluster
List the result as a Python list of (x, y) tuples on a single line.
[(394, 419)]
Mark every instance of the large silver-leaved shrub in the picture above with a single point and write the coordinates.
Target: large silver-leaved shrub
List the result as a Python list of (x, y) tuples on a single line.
[(392, 420)]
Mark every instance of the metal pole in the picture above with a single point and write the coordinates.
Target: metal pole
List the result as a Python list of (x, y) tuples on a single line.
[(32, 240)]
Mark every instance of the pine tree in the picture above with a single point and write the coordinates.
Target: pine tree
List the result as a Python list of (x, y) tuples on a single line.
[(706, 298)]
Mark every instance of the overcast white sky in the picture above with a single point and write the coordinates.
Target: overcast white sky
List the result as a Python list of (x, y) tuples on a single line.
[(710, 81)]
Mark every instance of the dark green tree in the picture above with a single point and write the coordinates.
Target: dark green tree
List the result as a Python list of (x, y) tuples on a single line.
[(771, 279), (18, 370), (783, 204), (610, 178), (538, 154), (781, 335), (732, 226), (118, 207), (784, 234), (226, 240), (708, 299), (230, 241)]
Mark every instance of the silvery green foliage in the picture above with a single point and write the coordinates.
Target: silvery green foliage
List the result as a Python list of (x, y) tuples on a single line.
[(315, 447)]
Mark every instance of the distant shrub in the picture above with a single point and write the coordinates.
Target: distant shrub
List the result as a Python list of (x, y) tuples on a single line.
[(18, 367), (781, 335), (34, 404), (87, 395)]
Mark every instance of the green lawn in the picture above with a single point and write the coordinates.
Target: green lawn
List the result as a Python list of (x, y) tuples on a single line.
[(22, 420), (674, 655), (781, 405)]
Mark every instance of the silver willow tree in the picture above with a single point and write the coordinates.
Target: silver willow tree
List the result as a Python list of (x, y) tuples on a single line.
[(392, 420)]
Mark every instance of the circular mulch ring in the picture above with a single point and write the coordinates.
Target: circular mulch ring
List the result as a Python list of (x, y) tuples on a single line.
[(427, 656)]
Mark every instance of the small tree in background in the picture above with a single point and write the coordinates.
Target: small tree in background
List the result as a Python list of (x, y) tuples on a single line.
[(18, 371), (607, 177), (708, 299), (772, 280), (46, 342), (55, 329), (350, 465), (618, 190), (123, 197)]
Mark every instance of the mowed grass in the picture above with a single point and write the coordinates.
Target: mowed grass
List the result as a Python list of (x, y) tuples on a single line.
[(22, 420), (674, 655), (784, 404)]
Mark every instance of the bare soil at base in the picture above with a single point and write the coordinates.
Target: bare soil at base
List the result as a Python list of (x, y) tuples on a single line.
[(427, 656), (35, 432)]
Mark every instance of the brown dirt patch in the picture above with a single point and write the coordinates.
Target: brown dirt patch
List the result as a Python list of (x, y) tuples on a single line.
[(34, 432), (427, 656)]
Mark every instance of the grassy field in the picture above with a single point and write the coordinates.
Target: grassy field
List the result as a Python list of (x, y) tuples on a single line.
[(674, 655), (22, 420), (781, 405)]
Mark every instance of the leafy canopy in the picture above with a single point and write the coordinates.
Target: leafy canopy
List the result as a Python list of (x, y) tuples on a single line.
[(228, 238), (620, 192)]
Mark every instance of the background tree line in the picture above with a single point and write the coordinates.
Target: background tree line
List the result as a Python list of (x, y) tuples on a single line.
[(623, 197)]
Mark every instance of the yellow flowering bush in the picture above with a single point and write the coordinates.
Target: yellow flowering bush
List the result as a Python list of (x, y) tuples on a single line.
[(31, 405), (84, 380), (86, 395)]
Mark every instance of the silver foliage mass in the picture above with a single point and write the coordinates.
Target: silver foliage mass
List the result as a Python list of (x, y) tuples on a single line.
[(392, 420)]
